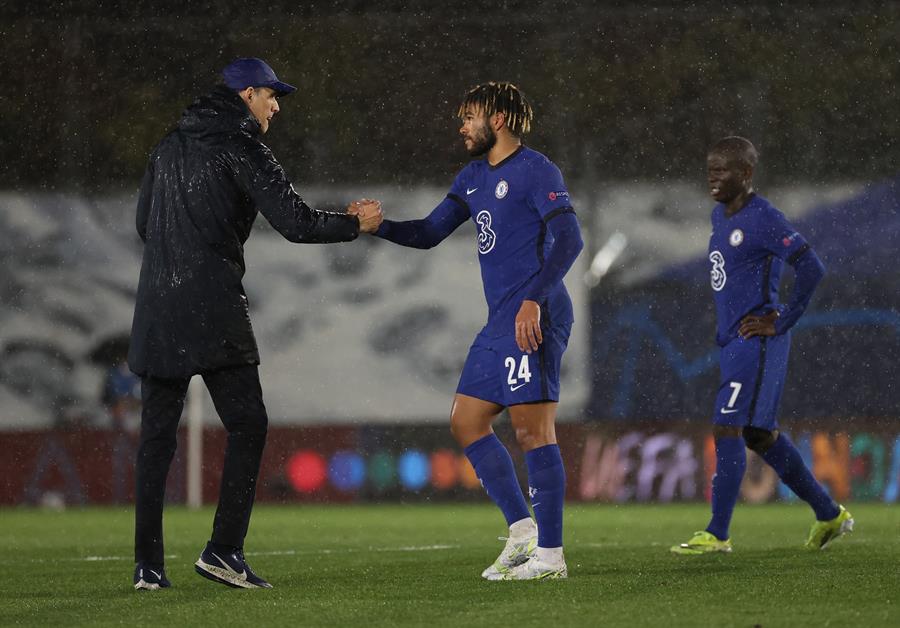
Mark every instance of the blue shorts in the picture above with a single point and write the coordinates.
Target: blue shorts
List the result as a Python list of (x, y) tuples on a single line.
[(751, 379), (497, 371)]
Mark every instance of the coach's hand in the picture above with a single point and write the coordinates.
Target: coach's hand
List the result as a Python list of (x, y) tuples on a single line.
[(758, 325), (369, 214), (528, 326), (363, 206)]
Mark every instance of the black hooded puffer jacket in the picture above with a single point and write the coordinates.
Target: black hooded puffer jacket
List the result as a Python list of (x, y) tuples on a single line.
[(197, 203)]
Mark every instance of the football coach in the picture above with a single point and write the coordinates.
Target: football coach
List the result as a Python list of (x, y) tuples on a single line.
[(204, 184)]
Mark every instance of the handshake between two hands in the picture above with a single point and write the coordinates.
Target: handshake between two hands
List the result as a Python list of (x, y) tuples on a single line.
[(369, 214)]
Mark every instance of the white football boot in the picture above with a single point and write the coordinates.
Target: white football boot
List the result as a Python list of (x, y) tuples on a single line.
[(520, 546), (545, 564)]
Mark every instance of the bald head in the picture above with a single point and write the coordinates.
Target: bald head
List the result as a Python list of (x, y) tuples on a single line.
[(737, 150)]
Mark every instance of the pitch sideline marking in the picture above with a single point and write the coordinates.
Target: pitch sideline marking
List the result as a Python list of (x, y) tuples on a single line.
[(403, 548)]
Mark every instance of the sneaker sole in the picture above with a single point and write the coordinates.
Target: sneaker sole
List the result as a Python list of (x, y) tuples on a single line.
[(691, 551), (142, 585), (553, 575), (222, 576), (547, 575)]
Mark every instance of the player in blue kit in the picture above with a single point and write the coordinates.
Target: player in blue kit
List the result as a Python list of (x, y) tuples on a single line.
[(750, 242), (527, 237)]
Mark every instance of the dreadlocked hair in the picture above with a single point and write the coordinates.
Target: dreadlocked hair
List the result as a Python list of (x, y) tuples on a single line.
[(505, 98)]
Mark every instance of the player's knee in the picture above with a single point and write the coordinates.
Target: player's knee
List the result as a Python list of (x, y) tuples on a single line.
[(758, 439), (464, 433), (525, 438), (530, 437)]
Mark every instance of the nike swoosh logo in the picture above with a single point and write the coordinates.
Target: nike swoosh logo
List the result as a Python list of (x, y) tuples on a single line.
[(724, 411), (242, 575), (470, 190), (154, 573), (515, 388)]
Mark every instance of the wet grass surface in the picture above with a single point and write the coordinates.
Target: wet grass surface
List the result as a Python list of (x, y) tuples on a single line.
[(415, 565)]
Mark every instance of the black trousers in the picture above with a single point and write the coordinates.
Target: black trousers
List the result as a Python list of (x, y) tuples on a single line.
[(237, 396)]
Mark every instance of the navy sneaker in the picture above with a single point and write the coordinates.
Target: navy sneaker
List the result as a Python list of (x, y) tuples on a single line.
[(149, 577), (228, 568)]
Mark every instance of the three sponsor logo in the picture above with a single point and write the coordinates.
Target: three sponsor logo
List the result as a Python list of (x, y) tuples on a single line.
[(717, 273), (486, 236)]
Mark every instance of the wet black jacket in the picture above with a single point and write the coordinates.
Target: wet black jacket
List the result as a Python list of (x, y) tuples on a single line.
[(198, 200)]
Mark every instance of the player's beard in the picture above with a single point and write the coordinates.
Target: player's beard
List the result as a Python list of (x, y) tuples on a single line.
[(484, 142)]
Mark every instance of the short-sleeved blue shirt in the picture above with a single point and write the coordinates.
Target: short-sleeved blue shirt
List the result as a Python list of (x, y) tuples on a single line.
[(747, 252), (511, 203)]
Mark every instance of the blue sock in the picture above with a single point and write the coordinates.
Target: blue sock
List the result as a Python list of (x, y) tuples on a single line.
[(789, 466), (547, 489), (731, 461), (495, 469)]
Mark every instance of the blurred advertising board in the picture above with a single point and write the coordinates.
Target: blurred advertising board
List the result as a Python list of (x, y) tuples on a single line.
[(650, 462)]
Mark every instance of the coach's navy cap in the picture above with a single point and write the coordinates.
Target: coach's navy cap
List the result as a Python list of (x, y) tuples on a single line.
[(252, 72)]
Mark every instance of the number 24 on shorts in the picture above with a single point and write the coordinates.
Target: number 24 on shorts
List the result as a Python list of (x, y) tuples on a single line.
[(524, 372)]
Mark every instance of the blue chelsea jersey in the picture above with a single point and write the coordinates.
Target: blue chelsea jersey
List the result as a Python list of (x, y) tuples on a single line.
[(510, 204), (747, 252)]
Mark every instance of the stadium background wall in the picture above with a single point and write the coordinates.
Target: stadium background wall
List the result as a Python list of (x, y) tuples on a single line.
[(643, 462), (642, 346)]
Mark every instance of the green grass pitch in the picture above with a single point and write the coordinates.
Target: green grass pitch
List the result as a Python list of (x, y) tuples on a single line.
[(419, 565)]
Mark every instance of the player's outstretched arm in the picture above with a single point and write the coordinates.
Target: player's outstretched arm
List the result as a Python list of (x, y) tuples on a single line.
[(427, 232)]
